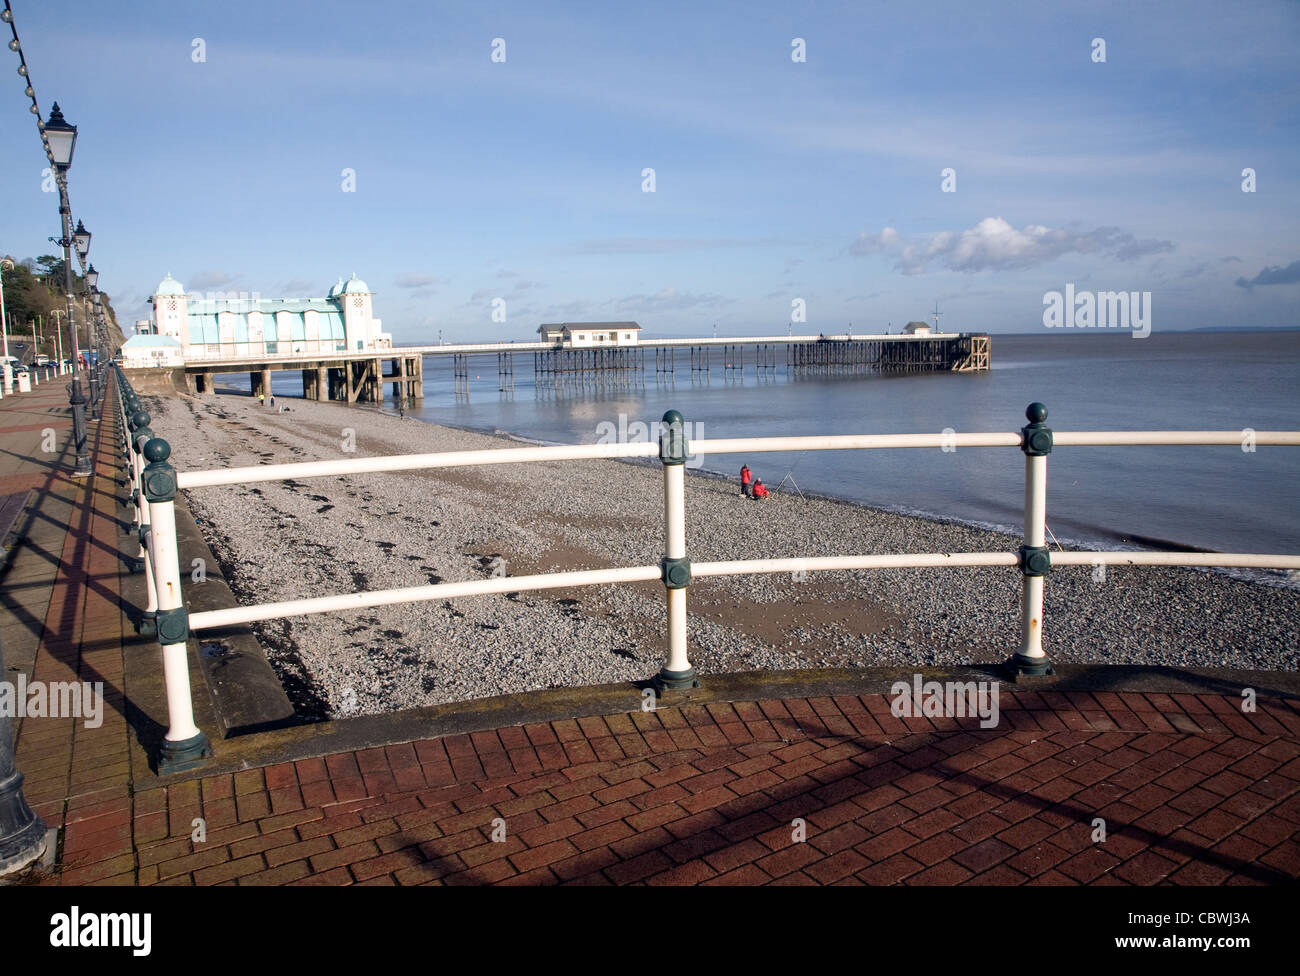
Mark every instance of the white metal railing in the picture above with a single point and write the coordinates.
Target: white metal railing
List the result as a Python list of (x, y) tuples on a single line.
[(157, 483)]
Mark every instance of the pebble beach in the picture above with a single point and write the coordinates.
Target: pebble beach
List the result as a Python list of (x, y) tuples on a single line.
[(288, 540)]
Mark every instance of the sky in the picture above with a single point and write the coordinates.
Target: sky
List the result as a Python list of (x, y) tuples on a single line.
[(466, 159)]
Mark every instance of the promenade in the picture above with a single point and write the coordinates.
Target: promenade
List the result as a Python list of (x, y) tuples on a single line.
[(781, 778)]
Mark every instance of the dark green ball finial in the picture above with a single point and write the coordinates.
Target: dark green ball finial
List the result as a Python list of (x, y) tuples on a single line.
[(1036, 412), (157, 450), (140, 418), (673, 417)]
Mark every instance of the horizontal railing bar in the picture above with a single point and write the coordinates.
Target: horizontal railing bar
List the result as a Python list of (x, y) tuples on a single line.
[(931, 559), (411, 462), (702, 446), (1121, 438), (848, 442), (210, 619), (1243, 560), (736, 567)]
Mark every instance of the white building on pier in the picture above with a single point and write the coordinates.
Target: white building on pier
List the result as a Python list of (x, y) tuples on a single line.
[(588, 335), (226, 325)]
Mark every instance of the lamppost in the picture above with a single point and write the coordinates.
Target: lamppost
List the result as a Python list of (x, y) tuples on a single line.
[(81, 241), (91, 278), (22, 832), (5, 265), (58, 344), (61, 139)]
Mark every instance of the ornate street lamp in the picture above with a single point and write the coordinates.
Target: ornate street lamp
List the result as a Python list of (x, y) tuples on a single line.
[(61, 137), (81, 238)]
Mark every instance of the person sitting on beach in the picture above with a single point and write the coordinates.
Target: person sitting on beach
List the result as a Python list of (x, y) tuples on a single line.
[(760, 490), (745, 477)]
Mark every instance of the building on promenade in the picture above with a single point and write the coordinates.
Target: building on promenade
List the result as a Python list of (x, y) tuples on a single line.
[(226, 325), (146, 351)]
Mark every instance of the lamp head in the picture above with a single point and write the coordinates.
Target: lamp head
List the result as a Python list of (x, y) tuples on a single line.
[(61, 136)]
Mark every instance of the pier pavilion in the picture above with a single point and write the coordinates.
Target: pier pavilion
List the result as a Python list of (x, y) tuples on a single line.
[(333, 340)]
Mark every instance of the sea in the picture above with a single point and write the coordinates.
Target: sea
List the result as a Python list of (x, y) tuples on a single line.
[(1225, 499)]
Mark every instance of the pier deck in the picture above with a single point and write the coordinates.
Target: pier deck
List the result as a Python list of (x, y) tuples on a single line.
[(358, 376), (592, 790)]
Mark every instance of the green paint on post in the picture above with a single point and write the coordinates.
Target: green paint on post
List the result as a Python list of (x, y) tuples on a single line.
[(1036, 437), (1035, 560), (173, 626), (672, 439), (677, 573), (159, 478), (177, 757)]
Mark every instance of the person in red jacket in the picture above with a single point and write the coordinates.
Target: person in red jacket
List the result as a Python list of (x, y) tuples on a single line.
[(745, 478), (760, 491)]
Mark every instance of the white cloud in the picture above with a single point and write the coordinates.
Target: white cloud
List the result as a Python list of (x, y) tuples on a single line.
[(871, 243), (994, 244), (662, 245), (205, 280), (414, 279)]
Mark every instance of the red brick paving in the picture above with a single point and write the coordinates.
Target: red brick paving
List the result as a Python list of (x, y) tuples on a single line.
[(1191, 789), (1022, 811)]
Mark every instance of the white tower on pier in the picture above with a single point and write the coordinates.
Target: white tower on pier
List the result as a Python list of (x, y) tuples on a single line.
[(362, 329), (170, 315)]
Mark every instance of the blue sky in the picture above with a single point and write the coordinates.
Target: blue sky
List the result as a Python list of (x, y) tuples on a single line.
[(774, 180)]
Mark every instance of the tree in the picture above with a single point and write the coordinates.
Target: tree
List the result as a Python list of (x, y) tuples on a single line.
[(34, 292)]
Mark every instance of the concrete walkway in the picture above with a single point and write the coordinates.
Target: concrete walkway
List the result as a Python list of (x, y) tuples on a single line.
[(787, 779)]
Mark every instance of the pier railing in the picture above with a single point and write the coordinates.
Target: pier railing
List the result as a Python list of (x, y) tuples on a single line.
[(154, 485)]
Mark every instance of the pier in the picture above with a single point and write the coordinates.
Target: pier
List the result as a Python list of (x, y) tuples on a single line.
[(360, 376), (350, 378)]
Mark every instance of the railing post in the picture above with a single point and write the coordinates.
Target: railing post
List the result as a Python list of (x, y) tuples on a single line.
[(1035, 558), (147, 624), (184, 746), (677, 671)]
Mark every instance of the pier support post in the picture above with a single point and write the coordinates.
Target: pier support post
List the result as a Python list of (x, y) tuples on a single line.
[(1035, 558), (184, 746), (677, 672)]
